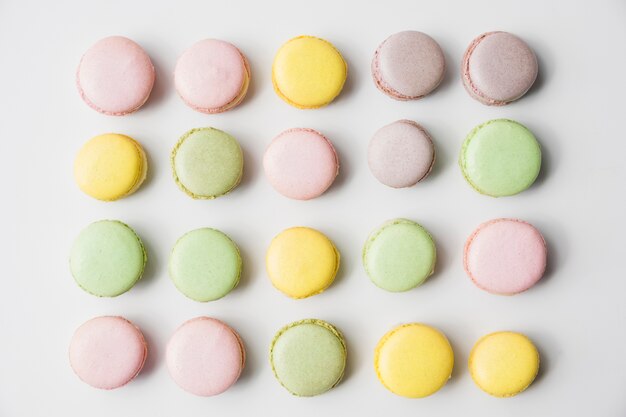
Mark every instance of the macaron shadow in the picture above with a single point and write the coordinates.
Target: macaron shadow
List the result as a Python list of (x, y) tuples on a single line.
[(541, 79), (351, 83), (152, 357), (162, 83), (248, 269), (151, 269)]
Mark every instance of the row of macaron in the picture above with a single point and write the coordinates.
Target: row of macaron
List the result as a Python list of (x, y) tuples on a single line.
[(502, 256), (500, 157), (115, 76), (205, 357)]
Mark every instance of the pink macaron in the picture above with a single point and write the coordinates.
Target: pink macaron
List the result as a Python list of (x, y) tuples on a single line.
[(301, 163), (505, 256), (107, 352), (205, 356), (115, 76), (212, 76), (498, 68), (408, 65), (401, 154)]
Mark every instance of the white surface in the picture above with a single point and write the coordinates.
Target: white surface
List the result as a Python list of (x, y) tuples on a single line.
[(576, 315)]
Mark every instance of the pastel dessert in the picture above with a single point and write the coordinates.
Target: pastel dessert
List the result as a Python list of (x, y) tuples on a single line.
[(504, 364), (107, 258), (308, 357), (408, 65), (301, 262), (399, 255), (207, 163), (401, 154), (205, 356), (110, 166), (500, 158), (498, 68), (413, 360), (205, 264), (212, 76), (301, 163), (115, 76), (505, 256), (308, 72), (107, 352)]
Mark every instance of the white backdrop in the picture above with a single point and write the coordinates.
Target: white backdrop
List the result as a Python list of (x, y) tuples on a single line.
[(576, 315)]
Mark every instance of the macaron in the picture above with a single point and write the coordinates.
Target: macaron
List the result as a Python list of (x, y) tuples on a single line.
[(308, 72), (115, 76), (504, 364), (308, 357), (399, 255), (110, 166), (500, 158), (107, 258), (205, 264), (498, 68), (301, 262), (401, 154), (408, 65), (107, 352), (212, 76), (413, 360), (505, 256), (205, 356), (207, 163), (301, 163)]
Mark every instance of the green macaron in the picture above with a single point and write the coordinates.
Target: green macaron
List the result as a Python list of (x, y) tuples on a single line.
[(207, 163), (399, 255), (205, 264), (308, 357), (107, 258), (500, 158)]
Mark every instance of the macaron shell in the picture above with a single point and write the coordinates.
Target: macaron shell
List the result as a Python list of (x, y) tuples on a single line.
[(505, 256), (504, 364), (401, 154), (107, 352), (414, 360), (308, 72), (301, 163), (110, 166), (408, 65), (212, 76), (308, 357), (115, 76), (205, 356), (301, 262)]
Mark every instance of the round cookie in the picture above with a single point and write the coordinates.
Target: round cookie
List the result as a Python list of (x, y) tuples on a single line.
[(505, 256), (401, 154), (212, 76), (115, 76), (207, 163), (205, 264), (107, 352), (413, 360), (498, 68), (110, 166), (205, 356), (504, 364), (301, 163), (408, 65), (107, 258), (308, 72), (308, 357), (301, 262), (399, 255), (500, 158)]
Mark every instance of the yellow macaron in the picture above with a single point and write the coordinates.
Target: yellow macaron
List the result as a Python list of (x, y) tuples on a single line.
[(504, 364), (308, 72), (413, 360), (301, 262), (110, 166)]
